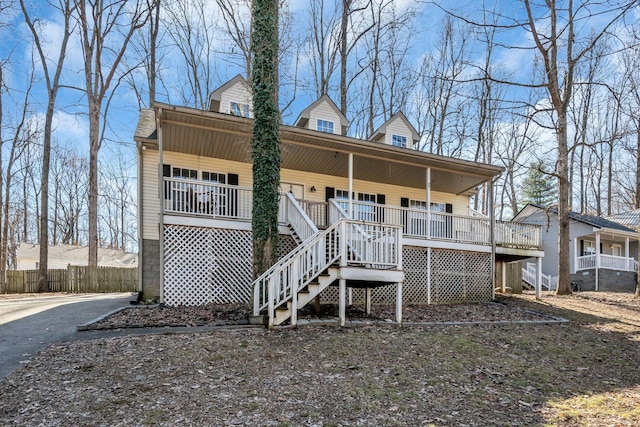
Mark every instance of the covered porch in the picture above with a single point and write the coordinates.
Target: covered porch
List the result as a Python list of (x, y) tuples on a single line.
[(604, 255)]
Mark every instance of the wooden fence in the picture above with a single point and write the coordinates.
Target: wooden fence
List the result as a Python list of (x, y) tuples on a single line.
[(77, 279)]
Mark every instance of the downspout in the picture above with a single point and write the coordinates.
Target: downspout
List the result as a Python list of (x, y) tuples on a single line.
[(161, 198), (350, 185), (492, 235), (140, 221)]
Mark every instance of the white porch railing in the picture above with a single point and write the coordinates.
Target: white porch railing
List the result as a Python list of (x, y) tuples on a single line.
[(186, 196), (344, 242), (609, 262), (518, 235), (298, 218), (530, 275)]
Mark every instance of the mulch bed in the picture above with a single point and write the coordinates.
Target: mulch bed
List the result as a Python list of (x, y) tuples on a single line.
[(238, 314)]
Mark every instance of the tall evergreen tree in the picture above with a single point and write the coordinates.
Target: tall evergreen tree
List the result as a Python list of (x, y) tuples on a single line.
[(265, 141), (538, 187)]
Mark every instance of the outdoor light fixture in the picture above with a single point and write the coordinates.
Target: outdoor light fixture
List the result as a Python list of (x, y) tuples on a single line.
[(313, 189)]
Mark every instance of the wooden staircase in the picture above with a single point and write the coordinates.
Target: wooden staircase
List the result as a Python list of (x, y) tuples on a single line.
[(305, 296)]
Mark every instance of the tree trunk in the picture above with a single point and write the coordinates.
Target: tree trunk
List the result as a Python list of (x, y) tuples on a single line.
[(266, 135), (564, 276), (94, 126)]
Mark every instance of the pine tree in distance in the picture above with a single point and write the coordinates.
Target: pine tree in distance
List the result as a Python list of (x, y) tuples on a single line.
[(539, 186)]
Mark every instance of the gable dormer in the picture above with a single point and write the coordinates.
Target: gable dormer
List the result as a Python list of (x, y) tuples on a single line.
[(323, 116), (233, 97), (397, 131)]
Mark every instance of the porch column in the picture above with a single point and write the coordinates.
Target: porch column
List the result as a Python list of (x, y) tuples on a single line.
[(350, 186), (597, 258), (504, 277), (428, 187), (574, 268), (342, 301), (626, 253), (539, 279), (367, 300), (399, 303), (161, 196)]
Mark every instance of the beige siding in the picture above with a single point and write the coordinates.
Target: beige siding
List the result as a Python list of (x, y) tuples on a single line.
[(238, 93), (392, 193), (325, 112), (150, 195), (398, 127)]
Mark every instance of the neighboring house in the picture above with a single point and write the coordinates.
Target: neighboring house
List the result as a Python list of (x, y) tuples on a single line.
[(61, 256), (602, 253), (356, 213), (629, 219)]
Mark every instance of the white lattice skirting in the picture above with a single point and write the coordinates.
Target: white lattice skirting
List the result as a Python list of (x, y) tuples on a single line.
[(456, 277), (203, 265)]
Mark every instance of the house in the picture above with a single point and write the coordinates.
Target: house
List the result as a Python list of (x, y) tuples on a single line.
[(61, 256), (630, 219), (603, 253), (374, 216)]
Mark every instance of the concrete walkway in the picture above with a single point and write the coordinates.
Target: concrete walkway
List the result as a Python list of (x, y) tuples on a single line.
[(30, 324)]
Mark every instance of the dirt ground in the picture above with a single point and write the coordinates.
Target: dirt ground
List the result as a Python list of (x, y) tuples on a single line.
[(582, 373)]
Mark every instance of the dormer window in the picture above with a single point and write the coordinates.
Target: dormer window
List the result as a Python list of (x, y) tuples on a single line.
[(399, 141), (325, 126), (239, 109)]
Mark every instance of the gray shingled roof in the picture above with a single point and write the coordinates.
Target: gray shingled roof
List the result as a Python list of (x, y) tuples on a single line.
[(146, 124), (630, 218)]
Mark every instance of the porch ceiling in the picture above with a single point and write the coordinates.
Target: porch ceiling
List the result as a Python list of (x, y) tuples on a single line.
[(228, 137)]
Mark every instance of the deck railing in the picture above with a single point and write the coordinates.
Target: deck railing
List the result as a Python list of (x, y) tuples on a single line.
[(183, 196), (298, 218), (518, 235), (186, 196), (608, 262)]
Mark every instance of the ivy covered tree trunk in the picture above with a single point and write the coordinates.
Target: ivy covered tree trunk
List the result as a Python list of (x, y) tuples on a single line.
[(266, 134)]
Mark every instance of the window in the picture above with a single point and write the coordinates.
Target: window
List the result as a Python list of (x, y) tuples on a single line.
[(366, 212), (589, 247), (220, 178), (239, 109), (399, 141), (325, 126)]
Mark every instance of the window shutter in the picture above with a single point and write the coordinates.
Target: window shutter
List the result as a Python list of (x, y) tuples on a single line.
[(232, 194), (166, 170), (380, 199), (581, 247), (448, 208), (404, 202), (329, 193)]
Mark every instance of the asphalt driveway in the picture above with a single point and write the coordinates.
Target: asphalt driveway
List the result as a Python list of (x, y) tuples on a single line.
[(28, 325)]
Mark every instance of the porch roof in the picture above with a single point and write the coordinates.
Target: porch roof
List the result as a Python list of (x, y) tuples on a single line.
[(224, 136)]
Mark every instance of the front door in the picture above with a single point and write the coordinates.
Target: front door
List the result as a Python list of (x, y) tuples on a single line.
[(296, 189), (616, 250)]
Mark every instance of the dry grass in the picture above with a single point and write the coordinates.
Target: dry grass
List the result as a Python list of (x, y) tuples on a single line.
[(582, 373)]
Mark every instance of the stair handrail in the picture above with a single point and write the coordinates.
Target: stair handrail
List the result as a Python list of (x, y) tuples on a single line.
[(298, 218), (312, 257)]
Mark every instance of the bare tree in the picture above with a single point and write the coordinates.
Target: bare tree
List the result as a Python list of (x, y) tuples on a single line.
[(191, 29), (52, 72), (105, 31)]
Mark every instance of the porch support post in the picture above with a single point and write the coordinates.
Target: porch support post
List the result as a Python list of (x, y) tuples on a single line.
[(597, 259), (294, 297), (504, 276), (575, 256), (367, 300), (342, 302), (399, 303), (350, 299), (626, 254), (539, 279), (428, 275), (351, 186), (428, 186), (161, 196)]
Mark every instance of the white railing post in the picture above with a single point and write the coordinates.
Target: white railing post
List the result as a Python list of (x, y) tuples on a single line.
[(256, 300), (399, 303), (271, 309)]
